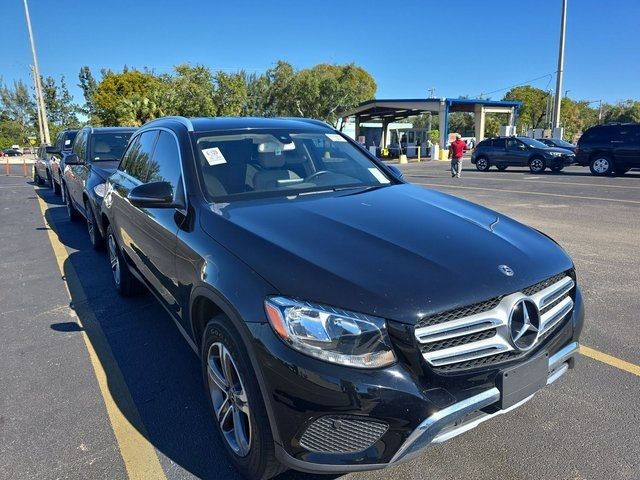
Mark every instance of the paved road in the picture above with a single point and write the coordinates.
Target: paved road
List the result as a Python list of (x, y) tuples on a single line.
[(65, 408)]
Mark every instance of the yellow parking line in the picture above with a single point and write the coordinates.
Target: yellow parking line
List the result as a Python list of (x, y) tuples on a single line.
[(444, 185), (610, 360), (139, 455)]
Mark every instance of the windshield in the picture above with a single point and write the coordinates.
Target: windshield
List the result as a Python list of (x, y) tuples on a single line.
[(237, 165), (532, 143), (561, 143), (108, 147)]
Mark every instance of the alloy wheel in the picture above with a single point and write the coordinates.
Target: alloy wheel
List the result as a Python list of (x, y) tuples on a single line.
[(90, 226), (481, 164), (114, 260), (229, 399), (537, 165), (601, 165)]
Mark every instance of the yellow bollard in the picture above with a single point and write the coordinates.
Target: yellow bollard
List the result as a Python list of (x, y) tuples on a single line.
[(444, 154), (418, 153)]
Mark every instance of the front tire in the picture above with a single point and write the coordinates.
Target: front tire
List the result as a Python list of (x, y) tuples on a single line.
[(123, 280), (482, 164), (236, 402), (537, 165), (601, 165), (97, 241), (74, 215)]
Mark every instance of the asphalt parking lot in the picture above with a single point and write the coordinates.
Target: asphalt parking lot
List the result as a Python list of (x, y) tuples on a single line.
[(96, 386)]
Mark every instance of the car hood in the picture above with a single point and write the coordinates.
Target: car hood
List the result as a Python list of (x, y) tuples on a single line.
[(105, 169), (400, 252), (564, 151)]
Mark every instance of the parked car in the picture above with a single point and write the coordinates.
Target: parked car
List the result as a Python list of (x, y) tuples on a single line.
[(610, 148), (557, 142), (60, 149), (12, 152), (504, 152), (41, 166), (336, 330), (94, 156)]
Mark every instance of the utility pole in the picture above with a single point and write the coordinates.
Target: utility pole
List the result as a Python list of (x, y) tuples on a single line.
[(432, 92), (38, 82), (33, 73), (558, 99)]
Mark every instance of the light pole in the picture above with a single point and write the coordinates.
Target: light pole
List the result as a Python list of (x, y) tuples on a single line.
[(558, 99), (38, 82)]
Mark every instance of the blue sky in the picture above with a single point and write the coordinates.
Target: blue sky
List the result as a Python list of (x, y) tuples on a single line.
[(466, 47)]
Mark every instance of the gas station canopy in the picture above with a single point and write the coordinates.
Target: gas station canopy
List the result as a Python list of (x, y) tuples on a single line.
[(388, 111)]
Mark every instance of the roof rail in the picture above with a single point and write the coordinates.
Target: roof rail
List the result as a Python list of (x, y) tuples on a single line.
[(184, 121), (310, 120)]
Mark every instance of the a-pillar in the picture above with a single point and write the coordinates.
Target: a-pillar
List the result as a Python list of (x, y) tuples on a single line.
[(478, 122), (443, 123)]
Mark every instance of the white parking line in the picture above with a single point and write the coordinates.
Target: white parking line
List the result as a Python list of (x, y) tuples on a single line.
[(524, 192), (534, 179)]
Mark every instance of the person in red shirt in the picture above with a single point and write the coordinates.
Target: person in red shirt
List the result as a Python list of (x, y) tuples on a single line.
[(456, 152)]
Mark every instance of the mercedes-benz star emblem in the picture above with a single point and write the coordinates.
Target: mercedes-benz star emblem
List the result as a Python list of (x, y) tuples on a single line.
[(506, 269), (524, 324)]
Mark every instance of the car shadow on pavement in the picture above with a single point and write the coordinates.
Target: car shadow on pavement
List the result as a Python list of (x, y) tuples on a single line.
[(153, 375)]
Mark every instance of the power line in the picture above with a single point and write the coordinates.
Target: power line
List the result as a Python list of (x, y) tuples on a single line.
[(548, 75)]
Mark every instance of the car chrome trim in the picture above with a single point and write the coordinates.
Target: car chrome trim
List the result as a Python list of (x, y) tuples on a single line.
[(466, 414), (497, 319)]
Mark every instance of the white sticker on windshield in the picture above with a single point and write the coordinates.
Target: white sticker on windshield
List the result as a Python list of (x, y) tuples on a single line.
[(379, 176), (214, 156), (334, 137), (67, 142)]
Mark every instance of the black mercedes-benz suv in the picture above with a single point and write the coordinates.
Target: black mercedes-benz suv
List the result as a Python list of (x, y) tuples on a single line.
[(504, 152), (610, 148), (342, 321), (95, 155)]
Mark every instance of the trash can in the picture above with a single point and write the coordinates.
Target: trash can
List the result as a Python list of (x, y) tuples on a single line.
[(435, 151)]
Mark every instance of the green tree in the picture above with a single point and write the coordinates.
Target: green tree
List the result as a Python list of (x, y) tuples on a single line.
[(61, 109), (534, 105), (191, 92), (130, 98), (626, 111), (18, 112), (230, 93), (88, 85)]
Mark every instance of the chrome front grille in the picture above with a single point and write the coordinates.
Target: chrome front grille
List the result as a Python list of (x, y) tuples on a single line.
[(478, 335)]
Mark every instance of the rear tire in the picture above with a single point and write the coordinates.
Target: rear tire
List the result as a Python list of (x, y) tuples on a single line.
[(537, 165), (241, 414), (482, 164), (601, 165)]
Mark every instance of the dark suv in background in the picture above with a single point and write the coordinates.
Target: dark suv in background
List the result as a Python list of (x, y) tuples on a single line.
[(504, 152), (57, 152), (611, 148), (336, 330), (95, 155)]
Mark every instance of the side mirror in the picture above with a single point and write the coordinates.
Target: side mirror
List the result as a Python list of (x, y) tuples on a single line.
[(72, 159), (152, 195), (396, 171), (52, 150)]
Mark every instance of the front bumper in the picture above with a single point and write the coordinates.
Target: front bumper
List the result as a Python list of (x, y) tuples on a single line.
[(418, 408)]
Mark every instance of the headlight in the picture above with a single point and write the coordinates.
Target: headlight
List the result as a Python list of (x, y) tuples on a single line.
[(331, 334), (555, 154), (100, 189)]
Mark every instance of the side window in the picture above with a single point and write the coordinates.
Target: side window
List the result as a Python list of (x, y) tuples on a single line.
[(497, 143), (512, 143), (136, 159), (165, 163)]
